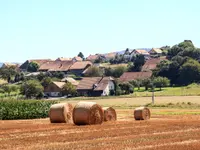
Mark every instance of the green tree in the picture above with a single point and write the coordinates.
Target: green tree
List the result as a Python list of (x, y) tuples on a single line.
[(190, 72), (81, 55), (33, 67), (46, 81), (31, 88), (139, 61), (161, 82), (7, 73), (118, 71), (94, 71), (69, 89), (186, 44), (126, 88), (146, 83)]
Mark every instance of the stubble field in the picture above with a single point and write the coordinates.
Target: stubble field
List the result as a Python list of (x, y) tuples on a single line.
[(162, 131)]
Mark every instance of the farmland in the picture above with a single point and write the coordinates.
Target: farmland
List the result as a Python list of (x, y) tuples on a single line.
[(161, 132), (172, 126)]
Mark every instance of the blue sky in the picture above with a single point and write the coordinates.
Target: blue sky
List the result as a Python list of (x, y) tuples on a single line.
[(32, 29)]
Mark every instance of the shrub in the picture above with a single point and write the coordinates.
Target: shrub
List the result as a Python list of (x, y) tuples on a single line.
[(24, 109)]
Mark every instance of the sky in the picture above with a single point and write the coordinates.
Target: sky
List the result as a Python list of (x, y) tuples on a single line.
[(34, 29)]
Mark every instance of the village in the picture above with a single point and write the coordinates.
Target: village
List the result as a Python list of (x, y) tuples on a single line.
[(90, 76)]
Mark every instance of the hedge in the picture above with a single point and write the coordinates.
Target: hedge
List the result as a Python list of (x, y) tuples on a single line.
[(24, 109)]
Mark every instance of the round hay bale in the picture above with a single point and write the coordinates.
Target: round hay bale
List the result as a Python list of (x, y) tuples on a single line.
[(87, 113), (61, 113), (109, 114), (142, 113)]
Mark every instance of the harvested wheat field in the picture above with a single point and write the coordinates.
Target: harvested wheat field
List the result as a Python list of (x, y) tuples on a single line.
[(161, 132)]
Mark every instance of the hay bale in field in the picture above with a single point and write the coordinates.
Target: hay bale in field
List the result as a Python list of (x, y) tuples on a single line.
[(142, 113), (109, 114), (87, 113), (61, 113)]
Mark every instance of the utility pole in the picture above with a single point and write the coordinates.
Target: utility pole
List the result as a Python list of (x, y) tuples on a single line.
[(153, 96)]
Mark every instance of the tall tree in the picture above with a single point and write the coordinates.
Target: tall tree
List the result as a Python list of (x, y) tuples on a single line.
[(161, 82), (190, 72), (31, 88), (69, 89), (81, 55)]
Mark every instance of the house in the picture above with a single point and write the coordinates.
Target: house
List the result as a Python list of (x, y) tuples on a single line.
[(77, 58), (110, 56), (140, 52), (96, 86), (79, 67), (92, 58), (155, 51), (63, 59), (54, 89), (74, 59), (56, 66), (152, 63), (130, 76), (8, 65), (40, 62), (127, 54), (70, 80)]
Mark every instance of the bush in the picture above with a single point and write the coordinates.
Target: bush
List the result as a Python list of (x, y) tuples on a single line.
[(24, 109)]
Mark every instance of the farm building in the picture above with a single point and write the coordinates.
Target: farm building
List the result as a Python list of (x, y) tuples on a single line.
[(53, 66), (40, 62), (155, 51), (130, 76), (79, 67), (110, 56), (71, 80), (151, 64), (140, 52), (75, 59), (92, 58), (54, 89), (96, 86), (7, 65)]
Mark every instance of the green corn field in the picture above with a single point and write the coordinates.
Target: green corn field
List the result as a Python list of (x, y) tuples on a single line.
[(24, 109)]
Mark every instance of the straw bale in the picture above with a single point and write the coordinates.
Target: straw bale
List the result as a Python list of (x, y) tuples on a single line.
[(61, 113), (142, 113), (87, 113), (109, 114)]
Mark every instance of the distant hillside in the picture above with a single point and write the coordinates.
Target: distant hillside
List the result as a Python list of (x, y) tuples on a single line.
[(1, 64)]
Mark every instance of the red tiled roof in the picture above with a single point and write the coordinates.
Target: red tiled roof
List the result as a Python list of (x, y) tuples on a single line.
[(88, 83), (130, 76), (77, 58), (151, 64), (110, 55), (80, 65), (40, 61), (63, 59), (92, 57), (103, 83), (56, 66)]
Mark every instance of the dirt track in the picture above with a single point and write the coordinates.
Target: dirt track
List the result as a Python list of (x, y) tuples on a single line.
[(161, 132)]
